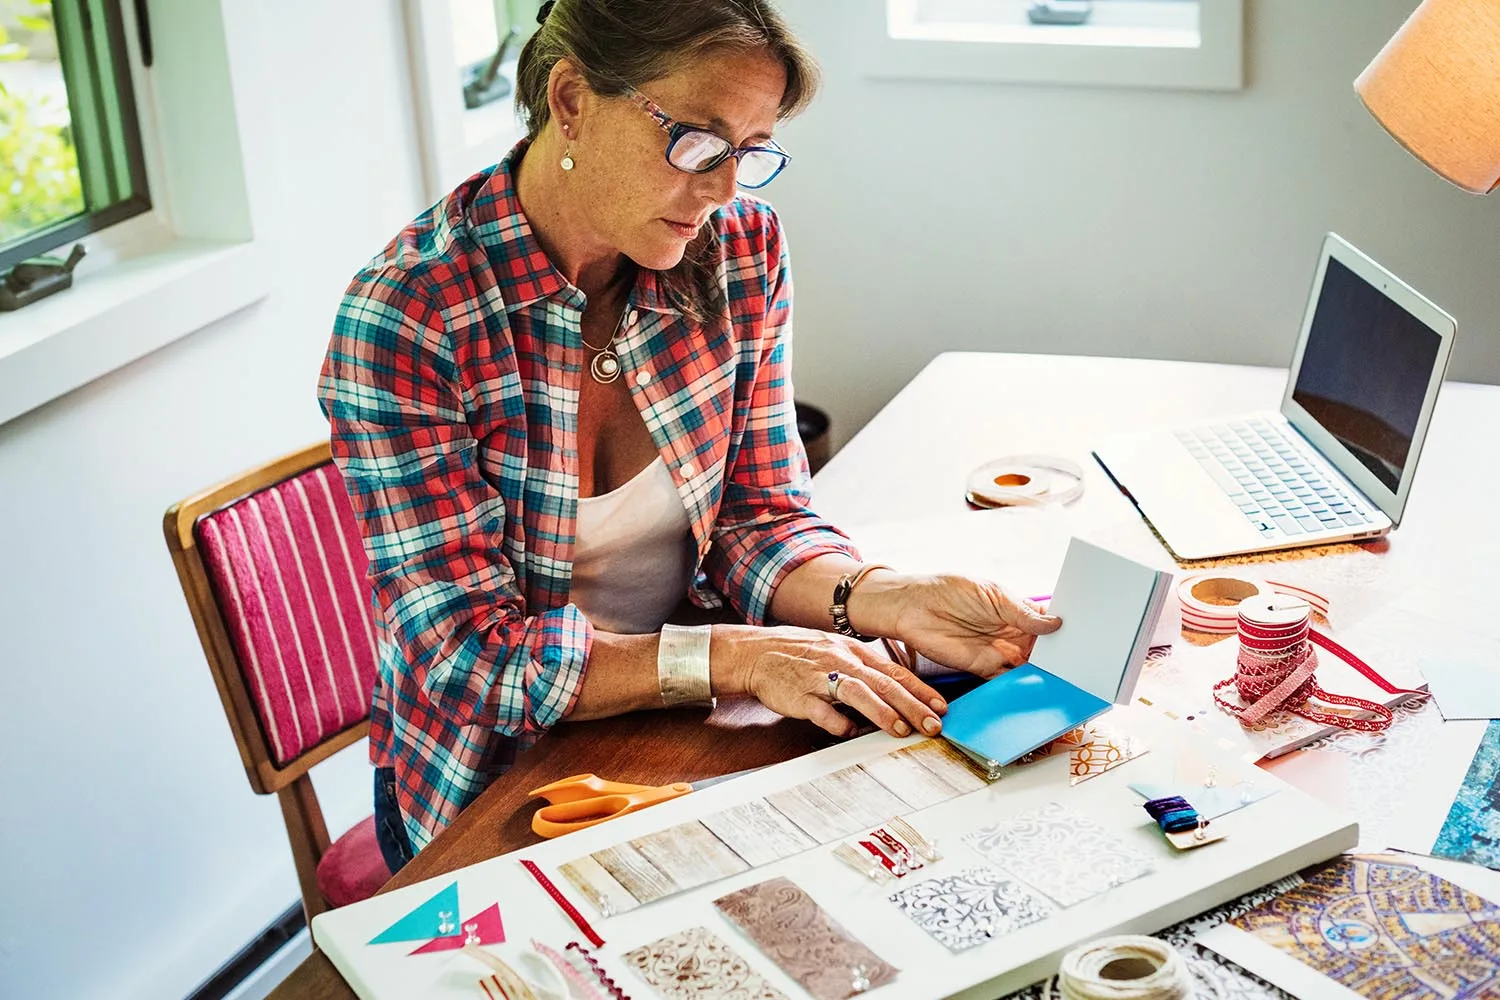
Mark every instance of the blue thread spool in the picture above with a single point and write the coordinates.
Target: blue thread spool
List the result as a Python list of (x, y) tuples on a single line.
[(1174, 814)]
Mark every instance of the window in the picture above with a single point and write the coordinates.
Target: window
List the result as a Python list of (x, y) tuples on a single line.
[(70, 149), (1191, 44)]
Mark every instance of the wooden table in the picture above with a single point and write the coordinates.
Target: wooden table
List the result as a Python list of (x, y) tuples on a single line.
[(910, 461)]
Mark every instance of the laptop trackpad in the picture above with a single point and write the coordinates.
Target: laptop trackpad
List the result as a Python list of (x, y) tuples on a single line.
[(1183, 503)]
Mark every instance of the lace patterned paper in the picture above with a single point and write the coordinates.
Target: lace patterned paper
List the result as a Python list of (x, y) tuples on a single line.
[(971, 907), (696, 965), (800, 937), (1064, 854)]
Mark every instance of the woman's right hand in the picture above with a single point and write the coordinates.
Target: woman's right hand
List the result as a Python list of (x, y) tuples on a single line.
[(786, 669)]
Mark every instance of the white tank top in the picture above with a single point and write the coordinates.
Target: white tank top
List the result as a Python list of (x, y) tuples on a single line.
[(633, 556)]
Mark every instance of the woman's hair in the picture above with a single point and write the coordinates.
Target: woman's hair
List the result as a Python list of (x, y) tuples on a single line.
[(621, 44)]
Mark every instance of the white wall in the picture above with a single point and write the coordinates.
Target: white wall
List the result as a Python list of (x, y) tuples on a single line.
[(926, 217), (134, 858)]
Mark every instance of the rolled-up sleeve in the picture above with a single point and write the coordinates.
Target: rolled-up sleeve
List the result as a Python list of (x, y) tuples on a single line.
[(433, 527), (765, 528)]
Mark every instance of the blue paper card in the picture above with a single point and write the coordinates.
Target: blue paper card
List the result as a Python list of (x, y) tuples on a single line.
[(1109, 606), (424, 923), (1013, 714)]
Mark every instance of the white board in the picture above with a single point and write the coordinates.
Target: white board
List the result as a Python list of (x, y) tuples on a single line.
[(1266, 841)]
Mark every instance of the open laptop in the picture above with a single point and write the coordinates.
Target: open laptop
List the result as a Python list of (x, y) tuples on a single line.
[(1336, 462)]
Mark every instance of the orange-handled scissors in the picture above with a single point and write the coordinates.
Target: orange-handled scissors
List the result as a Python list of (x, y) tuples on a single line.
[(585, 799)]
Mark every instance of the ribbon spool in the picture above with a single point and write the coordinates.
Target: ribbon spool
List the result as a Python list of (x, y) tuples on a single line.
[(1276, 667), (1210, 601), (1125, 967), (1025, 481)]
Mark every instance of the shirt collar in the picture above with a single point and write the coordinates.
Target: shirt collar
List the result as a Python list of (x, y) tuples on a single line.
[(488, 207)]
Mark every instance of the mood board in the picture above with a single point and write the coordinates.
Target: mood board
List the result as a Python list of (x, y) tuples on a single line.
[(1030, 865)]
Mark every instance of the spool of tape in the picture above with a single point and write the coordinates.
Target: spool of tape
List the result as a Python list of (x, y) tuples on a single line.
[(1211, 601), (1025, 481)]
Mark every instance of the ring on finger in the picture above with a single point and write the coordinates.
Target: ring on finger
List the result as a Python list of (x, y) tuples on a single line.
[(834, 680)]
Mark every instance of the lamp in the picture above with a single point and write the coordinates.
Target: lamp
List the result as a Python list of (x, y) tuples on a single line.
[(1435, 88)]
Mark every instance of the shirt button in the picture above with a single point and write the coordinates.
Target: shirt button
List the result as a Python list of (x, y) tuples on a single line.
[(642, 378), (687, 470), (633, 318)]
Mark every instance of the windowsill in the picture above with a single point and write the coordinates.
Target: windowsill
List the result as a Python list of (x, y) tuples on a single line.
[(1156, 45), (112, 316)]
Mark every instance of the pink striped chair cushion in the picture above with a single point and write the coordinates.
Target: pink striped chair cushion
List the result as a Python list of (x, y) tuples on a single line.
[(288, 570)]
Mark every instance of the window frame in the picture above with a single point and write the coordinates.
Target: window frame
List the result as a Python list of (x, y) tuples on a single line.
[(1055, 54), (202, 252), (75, 35)]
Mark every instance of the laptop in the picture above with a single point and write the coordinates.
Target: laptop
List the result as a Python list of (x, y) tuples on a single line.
[(1336, 462)]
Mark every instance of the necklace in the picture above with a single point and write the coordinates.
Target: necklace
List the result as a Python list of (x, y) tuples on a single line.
[(605, 367)]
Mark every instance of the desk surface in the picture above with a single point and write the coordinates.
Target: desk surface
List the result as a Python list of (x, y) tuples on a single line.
[(911, 461)]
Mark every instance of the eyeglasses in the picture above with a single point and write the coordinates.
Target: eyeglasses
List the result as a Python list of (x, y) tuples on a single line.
[(696, 150)]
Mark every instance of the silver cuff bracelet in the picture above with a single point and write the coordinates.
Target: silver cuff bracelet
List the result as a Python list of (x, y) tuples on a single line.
[(682, 665)]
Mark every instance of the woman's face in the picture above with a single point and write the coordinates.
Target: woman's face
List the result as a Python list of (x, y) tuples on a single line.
[(638, 203)]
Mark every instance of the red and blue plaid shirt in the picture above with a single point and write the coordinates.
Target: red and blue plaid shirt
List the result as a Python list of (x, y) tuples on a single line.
[(451, 386)]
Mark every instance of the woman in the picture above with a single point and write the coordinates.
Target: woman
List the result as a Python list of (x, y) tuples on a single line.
[(560, 400)]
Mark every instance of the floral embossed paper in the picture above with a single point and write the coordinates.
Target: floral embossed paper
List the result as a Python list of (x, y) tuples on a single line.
[(696, 965), (800, 937), (971, 907), (1066, 855)]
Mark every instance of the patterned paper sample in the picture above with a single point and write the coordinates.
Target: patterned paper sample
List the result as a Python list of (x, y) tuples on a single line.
[(971, 907), (838, 804), (1064, 854), (1102, 749), (1472, 830), (696, 965), (1384, 929), (947, 762), (800, 937), (757, 832), (636, 873), (598, 886), (909, 780), (689, 855)]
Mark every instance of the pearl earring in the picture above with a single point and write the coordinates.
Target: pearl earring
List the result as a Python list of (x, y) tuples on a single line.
[(567, 160)]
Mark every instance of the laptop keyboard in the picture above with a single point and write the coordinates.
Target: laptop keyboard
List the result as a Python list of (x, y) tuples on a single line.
[(1273, 480)]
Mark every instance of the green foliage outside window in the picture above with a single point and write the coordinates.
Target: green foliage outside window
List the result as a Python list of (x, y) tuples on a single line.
[(40, 183)]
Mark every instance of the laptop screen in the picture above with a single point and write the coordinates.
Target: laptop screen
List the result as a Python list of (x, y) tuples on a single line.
[(1365, 372)]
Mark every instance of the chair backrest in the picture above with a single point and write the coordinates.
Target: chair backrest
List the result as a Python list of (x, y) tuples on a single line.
[(273, 569)]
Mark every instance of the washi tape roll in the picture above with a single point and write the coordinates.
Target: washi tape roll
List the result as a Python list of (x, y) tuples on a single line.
[(1211, 601), (1025, 481)]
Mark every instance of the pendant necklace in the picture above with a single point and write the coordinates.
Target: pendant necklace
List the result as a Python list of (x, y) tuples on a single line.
[(605, 367)]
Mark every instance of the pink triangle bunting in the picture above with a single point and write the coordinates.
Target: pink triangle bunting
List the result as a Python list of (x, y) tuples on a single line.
[(485, 925)]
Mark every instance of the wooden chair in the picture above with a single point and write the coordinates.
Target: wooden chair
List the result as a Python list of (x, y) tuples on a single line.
[(273, 570)]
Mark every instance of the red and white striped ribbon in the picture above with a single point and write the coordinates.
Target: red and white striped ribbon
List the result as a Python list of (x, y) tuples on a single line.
[(1277, 664)]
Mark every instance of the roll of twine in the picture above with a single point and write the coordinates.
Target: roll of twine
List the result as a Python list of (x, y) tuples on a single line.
[(1276, 668), (1127, 967)]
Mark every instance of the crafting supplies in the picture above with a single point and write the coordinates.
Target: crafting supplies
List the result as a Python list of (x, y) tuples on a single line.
[(1276, 664), (604, 978), (1025, 481), (1064, 853), (578, 985), (695, 964), (1471, 831), (585, 799), (792, 930), (1369, 926), (1210, 601), (505, 983), (1184, 826), (567, 907), (970, 907), (1125, 967)]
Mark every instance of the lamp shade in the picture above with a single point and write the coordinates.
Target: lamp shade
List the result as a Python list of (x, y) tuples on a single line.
[(1435, 87)]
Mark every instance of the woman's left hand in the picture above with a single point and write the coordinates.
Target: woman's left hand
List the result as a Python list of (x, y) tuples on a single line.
[(971, 625)]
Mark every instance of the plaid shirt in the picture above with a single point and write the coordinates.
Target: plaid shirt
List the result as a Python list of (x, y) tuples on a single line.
[(451, 386)]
